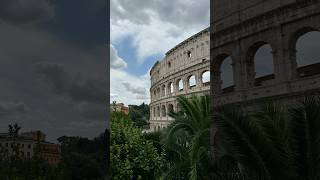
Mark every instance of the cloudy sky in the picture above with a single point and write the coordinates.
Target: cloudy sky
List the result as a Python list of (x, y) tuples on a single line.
[(53, 66), (141, 33)]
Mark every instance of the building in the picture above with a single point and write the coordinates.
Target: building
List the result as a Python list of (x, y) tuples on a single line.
[(239, 29), (28, 144), (119, 107), (185, 70)]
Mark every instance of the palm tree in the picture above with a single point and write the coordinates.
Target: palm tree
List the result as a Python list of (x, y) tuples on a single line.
[(187, 138), (274, 143), (305, 138)]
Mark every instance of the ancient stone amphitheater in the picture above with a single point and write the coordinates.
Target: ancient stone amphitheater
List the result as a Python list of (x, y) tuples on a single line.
[(185, 70), (240, 28)]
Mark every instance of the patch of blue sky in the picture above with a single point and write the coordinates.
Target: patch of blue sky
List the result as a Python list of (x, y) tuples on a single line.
[(128, 53)]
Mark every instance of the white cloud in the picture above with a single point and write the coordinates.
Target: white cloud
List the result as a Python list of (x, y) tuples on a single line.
[(153, 27), (157, 26), (116, 62), (128, 88)]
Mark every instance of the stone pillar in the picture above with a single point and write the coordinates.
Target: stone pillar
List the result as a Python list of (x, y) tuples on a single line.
[(244, 76), (285, 58), (199, 79), (215, 80), (185, 84)]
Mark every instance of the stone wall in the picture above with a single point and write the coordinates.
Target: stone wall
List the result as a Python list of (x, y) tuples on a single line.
[(189, 59), (240, 29)]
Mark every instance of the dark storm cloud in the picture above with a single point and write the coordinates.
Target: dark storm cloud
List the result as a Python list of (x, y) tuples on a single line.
[(54, 74), (78, 88), (181, 12), (7, 108), (47, 78), (22, 11), (92, 111)]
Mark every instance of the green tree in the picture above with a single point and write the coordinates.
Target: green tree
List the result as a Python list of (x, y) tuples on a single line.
[(187, 140), (85, 158), (132, 156), (277, 142), (139, 115), (13, 130)]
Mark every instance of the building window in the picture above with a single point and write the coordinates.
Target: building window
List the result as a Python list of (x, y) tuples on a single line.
[(189, 54), (169, 64)]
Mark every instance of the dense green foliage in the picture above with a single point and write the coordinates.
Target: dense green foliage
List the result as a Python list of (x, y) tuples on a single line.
[(85, 158), (274, 142), (277, 142), (132, 156), (16, 168), (187, 140), (139, 115)]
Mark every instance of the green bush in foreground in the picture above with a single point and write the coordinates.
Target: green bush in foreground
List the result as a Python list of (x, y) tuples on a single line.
[(132, 156)]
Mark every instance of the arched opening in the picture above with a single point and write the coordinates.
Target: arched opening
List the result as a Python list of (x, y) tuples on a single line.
[(158, 111), (170, 108), (180, 85), (189, 54), (308, 53), (163, 111), (192, 81), (163, 89), (154, 112), (205, 77), (170, 88), (226, 75), (263, 63), (158, 92)]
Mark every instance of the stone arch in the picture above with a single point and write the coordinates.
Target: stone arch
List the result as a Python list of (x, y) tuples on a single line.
[(154, 93), (170, 108), (192, 81), (260, 62), (163, 111), (205, 77), (306, 48), (170, 88), (179, 85), (154, 112), (223, 73), (158, 111), (158, 92), (163, 90)]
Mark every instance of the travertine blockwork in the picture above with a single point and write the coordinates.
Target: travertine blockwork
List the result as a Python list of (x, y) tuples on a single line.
[(185, 70), (240, 27)]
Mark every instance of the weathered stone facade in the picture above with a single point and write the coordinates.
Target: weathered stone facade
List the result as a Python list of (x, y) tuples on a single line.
[(239, 28), (187, 64), (280, 27)]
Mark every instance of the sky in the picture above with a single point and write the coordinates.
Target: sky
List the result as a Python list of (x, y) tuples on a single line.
[(53, 59), (141, 32)]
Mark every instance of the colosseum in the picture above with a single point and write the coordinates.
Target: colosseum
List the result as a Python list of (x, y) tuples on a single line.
[(241, 28), (185, 70)]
